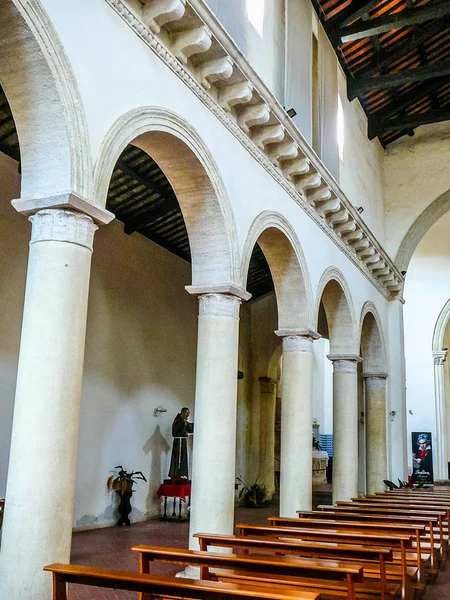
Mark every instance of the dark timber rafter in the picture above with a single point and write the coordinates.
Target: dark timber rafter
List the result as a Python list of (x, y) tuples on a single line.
[(403, 18), (391, 55), (356, 9), (360, 86), (413, 121)]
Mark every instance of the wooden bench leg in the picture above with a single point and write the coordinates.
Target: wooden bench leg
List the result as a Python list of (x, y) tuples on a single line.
[(144, 567), (350, 587), (59, 587)]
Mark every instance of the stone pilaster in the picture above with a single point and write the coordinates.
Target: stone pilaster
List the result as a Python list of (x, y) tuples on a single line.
[(376, 428), (439, 359), (345, 425), (268, 398), (296, 422)]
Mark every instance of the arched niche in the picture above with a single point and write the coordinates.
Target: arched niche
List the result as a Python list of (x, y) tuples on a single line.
[(280, 245), (373, 349), (186, 162)]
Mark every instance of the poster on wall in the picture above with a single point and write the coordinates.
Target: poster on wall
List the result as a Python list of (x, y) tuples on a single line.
[(422, 457)]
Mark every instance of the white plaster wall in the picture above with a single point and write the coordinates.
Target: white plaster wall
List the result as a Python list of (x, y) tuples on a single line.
[(427, 289), (265, 50), (416, 173), (140, 354), (361, 170), (14, 238)]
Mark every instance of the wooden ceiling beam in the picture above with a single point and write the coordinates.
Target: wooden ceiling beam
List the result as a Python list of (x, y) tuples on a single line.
[(356, 9), (408, 123), (360, 86), (389, 56), (405, 18)]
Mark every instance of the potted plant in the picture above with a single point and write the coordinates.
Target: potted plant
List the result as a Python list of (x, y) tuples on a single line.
[(253, 494), (122, 483)]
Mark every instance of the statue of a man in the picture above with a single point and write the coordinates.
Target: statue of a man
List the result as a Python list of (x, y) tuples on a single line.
[(181, 428)]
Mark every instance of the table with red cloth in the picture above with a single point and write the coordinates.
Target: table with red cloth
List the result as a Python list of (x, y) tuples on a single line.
[(177, 488)]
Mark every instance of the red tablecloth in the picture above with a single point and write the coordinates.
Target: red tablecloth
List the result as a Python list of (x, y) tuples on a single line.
[(174, 490)]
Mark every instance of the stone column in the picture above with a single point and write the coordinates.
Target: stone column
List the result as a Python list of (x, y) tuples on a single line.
[(345, 426), (439, 358), (376, 442), (296, 422), (41, 478), (214, 450), (268, 399)]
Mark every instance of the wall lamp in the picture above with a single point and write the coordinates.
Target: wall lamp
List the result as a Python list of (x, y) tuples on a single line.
[(360, 209), (159, 409), (291, 112), (393, 413)]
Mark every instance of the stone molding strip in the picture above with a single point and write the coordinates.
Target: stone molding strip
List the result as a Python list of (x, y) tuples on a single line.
[(375, 381), (221, 77)]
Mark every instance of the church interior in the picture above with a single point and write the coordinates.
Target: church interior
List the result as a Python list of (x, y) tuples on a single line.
[(224, 322)]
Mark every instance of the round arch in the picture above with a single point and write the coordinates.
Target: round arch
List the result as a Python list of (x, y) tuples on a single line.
[(41, 89), (335, 296), (195, 179), (372, 341), (287, 264), (418, 229), (440, 327)]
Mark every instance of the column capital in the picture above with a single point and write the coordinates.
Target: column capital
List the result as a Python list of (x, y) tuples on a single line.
[(375, 381), (57, 225), (297, 340), (439, 356), (344, 363), (220, 288), (267, 385), (219, 305), (68, 201)]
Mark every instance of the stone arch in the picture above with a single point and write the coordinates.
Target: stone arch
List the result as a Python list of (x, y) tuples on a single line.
[(287, 264), (40, 86), (440, 327), (418, 229), (196, 181), (372, 342), (334, 294)]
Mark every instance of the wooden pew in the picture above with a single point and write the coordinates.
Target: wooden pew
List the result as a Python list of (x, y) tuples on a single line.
[(383, 508), (418, 530), (301, 570), (352, 514), (399, 541), (367, 555), (165, 586)]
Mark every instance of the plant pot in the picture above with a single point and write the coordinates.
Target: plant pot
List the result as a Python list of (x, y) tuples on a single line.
[(124, 507)]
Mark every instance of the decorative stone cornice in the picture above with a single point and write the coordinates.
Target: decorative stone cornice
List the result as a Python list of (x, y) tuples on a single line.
[(57, 225), (297, 340), (254, 116), (219, 305), (439, 357), (345, 363), (69, 201)]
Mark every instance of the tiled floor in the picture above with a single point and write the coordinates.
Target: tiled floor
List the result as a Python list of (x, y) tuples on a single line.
[(110, 548)]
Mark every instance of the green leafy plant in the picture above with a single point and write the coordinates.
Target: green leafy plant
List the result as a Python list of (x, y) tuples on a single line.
[(316, 444), (123, 481), (253, 494), (393, 486)]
